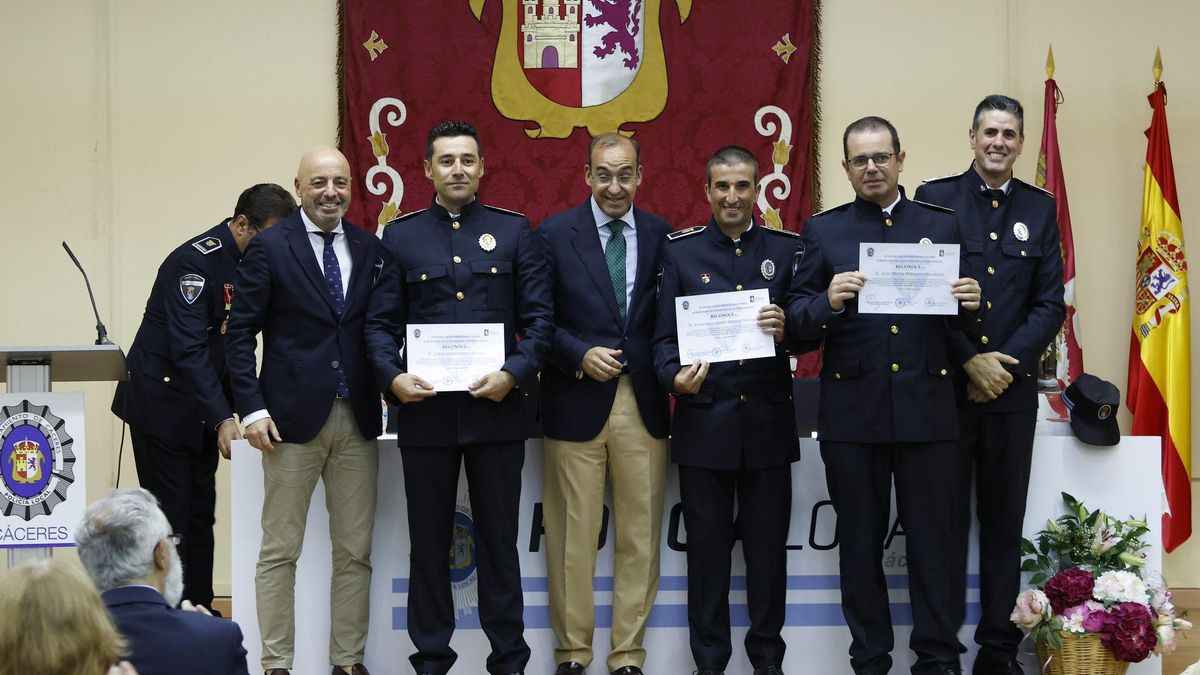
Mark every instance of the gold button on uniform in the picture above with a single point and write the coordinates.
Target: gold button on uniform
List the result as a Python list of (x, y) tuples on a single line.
[(737, 251), (459, 295), (741, 362), (989, 304), (1023, 254), (739, 287), (942, 372), (837, 376), (888, 222), (455, 225), (984, 339), (493, 270), (742, 398), (166, 378), (424, 277), (895, 330), (457, 259), (995, 204), (895, 367), (991, 270), (994, 236)]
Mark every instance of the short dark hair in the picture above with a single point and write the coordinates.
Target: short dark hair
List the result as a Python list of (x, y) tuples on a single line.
[(1002, 103), (730, 155), (263, 202), (450, 129), (869, 123), (612, 138)]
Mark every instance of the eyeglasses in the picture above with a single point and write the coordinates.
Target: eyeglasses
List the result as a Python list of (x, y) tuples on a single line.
[(881, 160), (174, 538), (623, 181)]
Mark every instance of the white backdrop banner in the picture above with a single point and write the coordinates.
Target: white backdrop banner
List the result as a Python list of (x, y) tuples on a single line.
[(42, 469), (1122, 480)]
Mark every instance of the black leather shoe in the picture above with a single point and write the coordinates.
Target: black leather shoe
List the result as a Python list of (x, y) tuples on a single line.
[(947, 669), (709, 671), (569, 668), (356, 669), (997, 665), (626, 670), (278, 671), (768, 670)]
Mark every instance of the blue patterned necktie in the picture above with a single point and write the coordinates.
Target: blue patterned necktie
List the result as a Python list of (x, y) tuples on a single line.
[(333, 278), (614, 253)]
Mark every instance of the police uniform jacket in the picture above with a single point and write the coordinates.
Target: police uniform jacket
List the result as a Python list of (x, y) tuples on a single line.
[(884, 378), (282, 293), (575, 407), (177, 380), (743, 416), (479, 267), (1011, 246)]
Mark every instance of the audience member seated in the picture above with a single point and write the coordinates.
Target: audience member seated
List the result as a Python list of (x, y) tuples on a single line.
[(126, 545)]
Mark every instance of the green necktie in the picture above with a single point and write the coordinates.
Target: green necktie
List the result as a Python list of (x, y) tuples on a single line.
[(614, 253)]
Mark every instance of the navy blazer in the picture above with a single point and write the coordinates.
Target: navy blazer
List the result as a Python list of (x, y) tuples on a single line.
[(885, 378), (574, 406), (168, 641), (481, 267), (177, 381), (1012, 248), (282, 294), (743, 416)]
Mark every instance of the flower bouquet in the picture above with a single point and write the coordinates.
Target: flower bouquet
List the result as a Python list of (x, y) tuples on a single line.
[(1093, 609)]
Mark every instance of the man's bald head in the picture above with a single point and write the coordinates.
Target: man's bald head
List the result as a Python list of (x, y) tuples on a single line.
[(323, 185)]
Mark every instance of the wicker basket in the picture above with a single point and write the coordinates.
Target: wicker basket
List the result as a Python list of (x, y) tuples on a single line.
[(1080, 655)]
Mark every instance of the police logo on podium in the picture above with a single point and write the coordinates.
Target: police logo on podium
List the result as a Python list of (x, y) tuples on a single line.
[(36, 460), (463, 575)]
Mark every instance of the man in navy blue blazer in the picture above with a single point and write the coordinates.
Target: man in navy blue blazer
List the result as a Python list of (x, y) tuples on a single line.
[(314, 410), (603, 411), (126, 546)]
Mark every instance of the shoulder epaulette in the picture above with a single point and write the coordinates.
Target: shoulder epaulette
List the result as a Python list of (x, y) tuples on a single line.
[(1033, 187), (207, 245), (935, 207), (497, 209), (675, 236), (786, 233), (831, 209), (937, 179), (406, 216)]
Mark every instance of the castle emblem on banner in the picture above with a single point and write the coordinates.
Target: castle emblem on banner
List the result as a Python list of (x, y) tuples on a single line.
[(597, 64), (463, 562), (1162, 282), (36, 461)]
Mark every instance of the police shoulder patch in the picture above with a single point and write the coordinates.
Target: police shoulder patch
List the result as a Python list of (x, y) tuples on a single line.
[(406, 216), (680, 234), (497, 209), (938, 179), (1031, 186), (935, 207), (207, 245)]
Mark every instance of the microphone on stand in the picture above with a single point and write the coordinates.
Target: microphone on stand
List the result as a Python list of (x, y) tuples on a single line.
[(101, 331)]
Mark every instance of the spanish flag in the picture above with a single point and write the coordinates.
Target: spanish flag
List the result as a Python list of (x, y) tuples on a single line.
[(1159, 393)]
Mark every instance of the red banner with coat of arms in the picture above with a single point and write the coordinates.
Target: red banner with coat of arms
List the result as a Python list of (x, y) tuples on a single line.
[(539, 77)]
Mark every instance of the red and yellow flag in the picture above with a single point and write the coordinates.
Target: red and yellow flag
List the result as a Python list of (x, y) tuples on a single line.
[(1159, 394)]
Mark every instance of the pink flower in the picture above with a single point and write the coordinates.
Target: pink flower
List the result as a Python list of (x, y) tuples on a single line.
[(1068, 588), (1032, 608)]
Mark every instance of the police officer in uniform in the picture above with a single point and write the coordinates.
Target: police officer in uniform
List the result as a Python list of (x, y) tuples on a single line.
[(460, 261), (1011, 244), (177, 400), (887, 406), (733, 434)]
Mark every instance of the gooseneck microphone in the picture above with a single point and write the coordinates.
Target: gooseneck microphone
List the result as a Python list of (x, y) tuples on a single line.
[(101, 331)]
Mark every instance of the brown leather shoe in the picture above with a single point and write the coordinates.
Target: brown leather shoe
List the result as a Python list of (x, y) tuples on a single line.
[(356, 669), (569, 668), (628, 670), (278, 671)]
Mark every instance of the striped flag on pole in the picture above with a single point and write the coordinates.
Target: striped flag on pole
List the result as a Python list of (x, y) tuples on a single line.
[(1159, 394)]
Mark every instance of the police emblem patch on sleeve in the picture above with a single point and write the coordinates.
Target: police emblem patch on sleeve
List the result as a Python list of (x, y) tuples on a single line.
[(191, 285), (207, 245)]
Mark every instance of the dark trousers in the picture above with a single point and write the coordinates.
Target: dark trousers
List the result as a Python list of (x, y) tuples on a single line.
[(431, 486), (763, 499), (860, 478), (998, 447), (184, 481)]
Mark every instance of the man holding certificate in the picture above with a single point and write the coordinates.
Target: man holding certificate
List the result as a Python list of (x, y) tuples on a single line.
[(1010, 233), (720, 348), (887, 406), (467, 281)]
